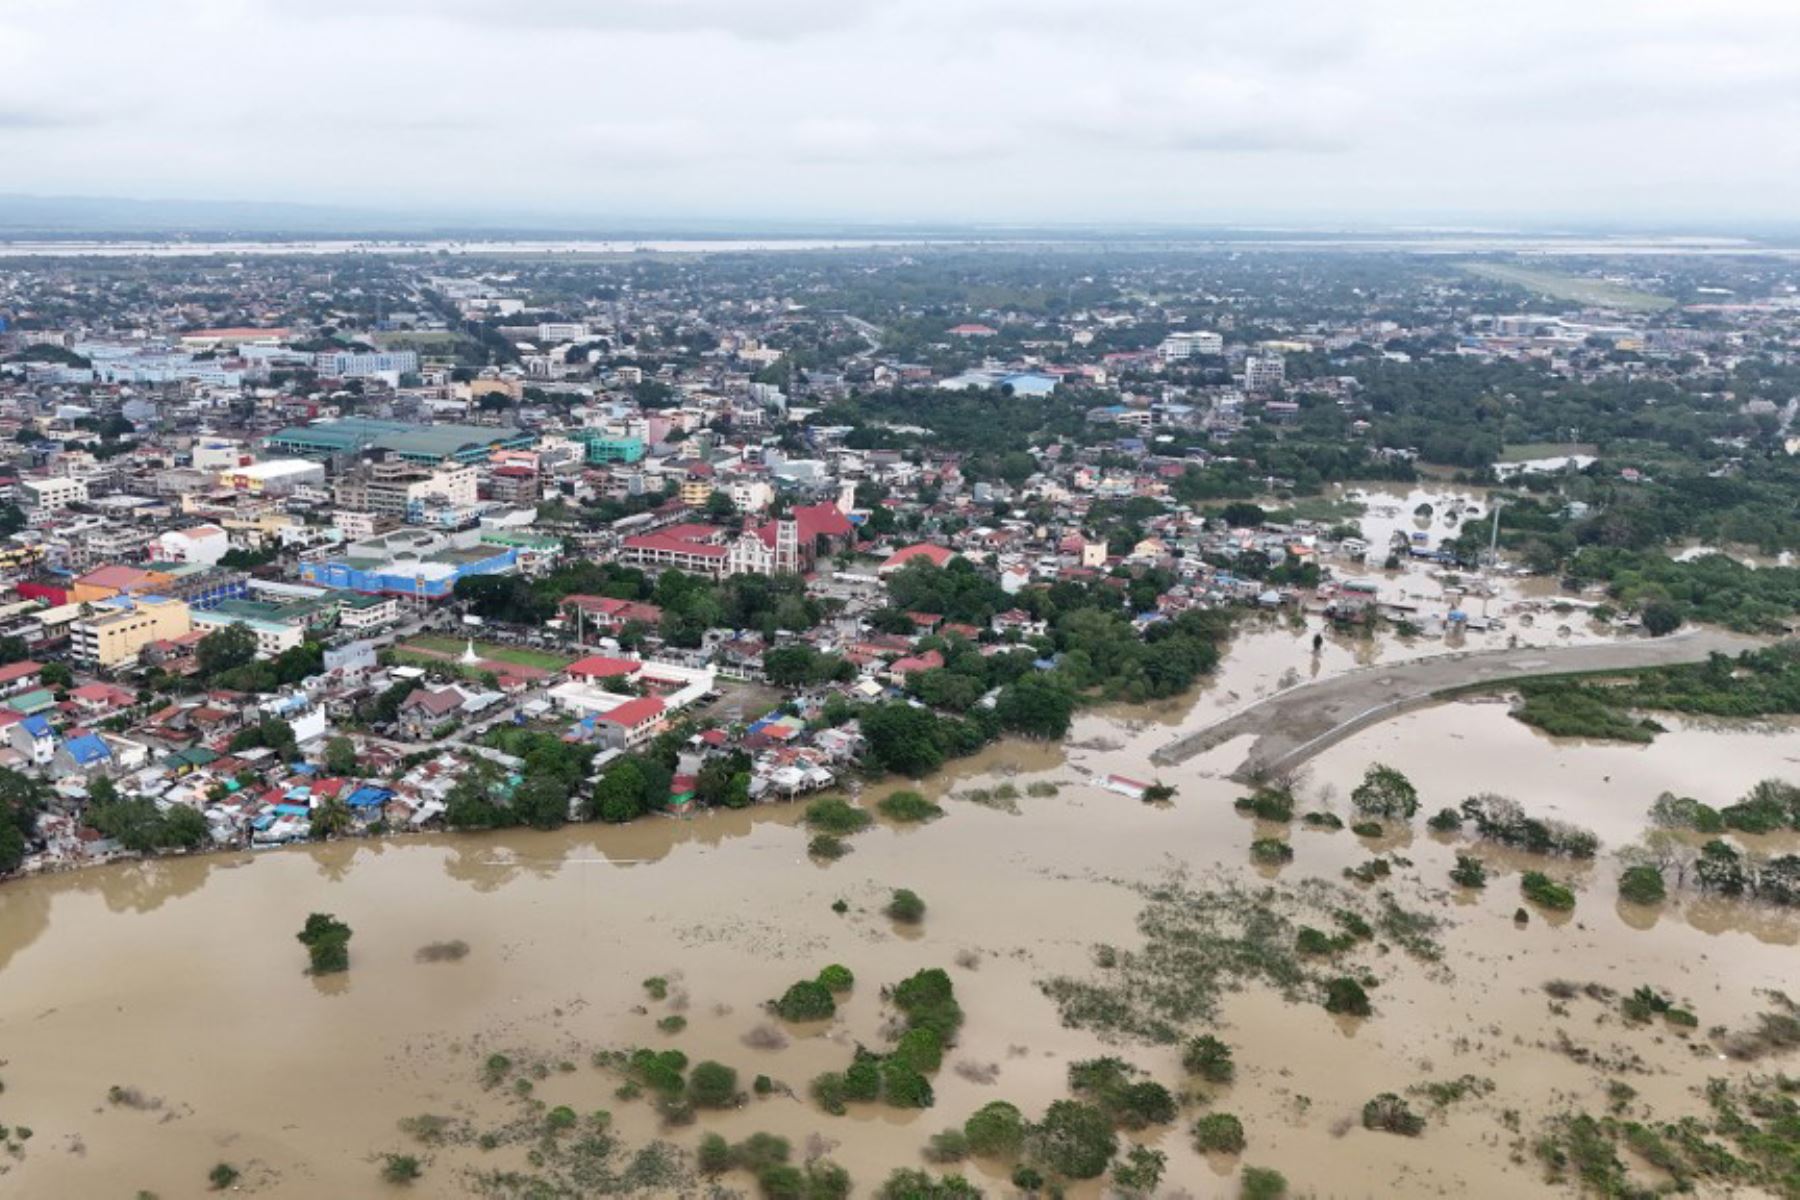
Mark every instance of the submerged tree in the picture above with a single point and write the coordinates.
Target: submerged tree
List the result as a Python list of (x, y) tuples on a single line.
[(327, 941), (1385, 792)]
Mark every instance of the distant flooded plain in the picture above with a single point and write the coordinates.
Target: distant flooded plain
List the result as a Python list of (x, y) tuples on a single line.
[(155, 1018)]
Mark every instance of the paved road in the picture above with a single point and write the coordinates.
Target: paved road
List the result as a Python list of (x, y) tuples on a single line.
[(1293, 725)]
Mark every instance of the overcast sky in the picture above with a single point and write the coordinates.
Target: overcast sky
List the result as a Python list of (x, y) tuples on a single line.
[(1198, 111)]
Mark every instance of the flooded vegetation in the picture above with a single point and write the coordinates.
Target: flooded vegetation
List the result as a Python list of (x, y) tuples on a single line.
[(1018, 975)]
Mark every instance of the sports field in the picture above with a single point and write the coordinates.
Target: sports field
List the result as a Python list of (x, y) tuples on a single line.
[(441, 646)]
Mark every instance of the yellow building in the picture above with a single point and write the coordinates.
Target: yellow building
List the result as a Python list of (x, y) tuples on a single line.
[(695, 492), (113, 633)]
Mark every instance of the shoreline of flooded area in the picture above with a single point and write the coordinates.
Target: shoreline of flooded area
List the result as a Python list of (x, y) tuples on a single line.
[(179, 982)]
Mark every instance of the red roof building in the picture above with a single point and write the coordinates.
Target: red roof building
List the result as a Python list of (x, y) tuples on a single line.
[(599, 666), (937, 556)]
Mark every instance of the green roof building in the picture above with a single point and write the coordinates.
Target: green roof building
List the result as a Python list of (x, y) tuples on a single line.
[(427, 444), (603, 449)]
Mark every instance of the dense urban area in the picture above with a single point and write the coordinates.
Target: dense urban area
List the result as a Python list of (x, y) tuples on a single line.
[(334, 551)]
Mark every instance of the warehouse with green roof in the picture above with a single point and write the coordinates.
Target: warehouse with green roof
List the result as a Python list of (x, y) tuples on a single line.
[(427, 444)]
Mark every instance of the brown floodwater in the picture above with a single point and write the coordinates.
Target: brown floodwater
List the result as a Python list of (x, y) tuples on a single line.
[(182, 979)]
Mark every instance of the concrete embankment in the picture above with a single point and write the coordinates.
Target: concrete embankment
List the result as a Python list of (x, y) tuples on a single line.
[(1292, 725)]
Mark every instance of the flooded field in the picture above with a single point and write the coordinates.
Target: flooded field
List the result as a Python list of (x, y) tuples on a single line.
[(156, 1019)]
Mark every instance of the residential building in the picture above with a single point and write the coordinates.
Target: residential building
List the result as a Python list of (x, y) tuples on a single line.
[(122, 626), (405, 490), (53, 493), (1264, 373)]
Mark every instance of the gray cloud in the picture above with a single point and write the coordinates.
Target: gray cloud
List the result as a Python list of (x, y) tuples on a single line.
[(930, 109), (21, 119)]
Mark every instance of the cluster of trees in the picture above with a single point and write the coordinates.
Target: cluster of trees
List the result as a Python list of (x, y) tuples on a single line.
[(1096, 647), (384, 707), (930, 1017), (1756, 683), (1035, 705), (1712, 588), (139, 825), (1718, 866), (915, 741), (690, 604), (21, 799), (272, 732), (1502, 819), (1100, 649), (767, 604), (957, 591), (554, 771), (799, 666), (227, 659), (327, 942), (632, 786)]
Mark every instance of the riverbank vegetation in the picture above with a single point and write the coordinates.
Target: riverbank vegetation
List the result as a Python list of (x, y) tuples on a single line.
[(1201, 942), (1757, 683)]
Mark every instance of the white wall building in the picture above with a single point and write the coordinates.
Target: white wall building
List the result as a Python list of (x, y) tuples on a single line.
[(58, 491), (1186, 344), (205, 544)]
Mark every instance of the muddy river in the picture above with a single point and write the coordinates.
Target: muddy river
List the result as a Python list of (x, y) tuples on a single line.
[(180, 982)]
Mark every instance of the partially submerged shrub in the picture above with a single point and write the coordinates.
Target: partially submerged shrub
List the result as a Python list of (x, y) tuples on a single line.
[(1468, 872), (908, 808), (906, 907), (1209, 1058), (995, 1130), (1346, 996), (1390, 1114), (807, 1000), (1542, 890), (1642, 885), (836, 815), (837, 978), (1219, 1133), (1271, 851)]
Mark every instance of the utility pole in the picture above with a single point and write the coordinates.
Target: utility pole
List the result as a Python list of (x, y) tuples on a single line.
[(1494, 538)]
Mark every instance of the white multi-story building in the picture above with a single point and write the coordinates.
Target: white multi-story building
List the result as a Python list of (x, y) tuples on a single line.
[(346, 364), (58, 491), (1264, 373), (1188, 343)]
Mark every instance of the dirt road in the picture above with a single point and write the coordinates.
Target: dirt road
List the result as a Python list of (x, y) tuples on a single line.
[(1295, 724)]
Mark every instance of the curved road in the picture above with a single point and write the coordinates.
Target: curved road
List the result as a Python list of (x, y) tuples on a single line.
[(1293, 725)]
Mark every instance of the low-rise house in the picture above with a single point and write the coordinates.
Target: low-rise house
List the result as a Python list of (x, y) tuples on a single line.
[(94, 700), (426, 709), (34, 740), (85, 754), (20, 677)]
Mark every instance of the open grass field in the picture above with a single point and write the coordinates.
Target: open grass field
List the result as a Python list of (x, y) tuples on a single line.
[(542, 660), (1579, 288), (1531, 451)]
